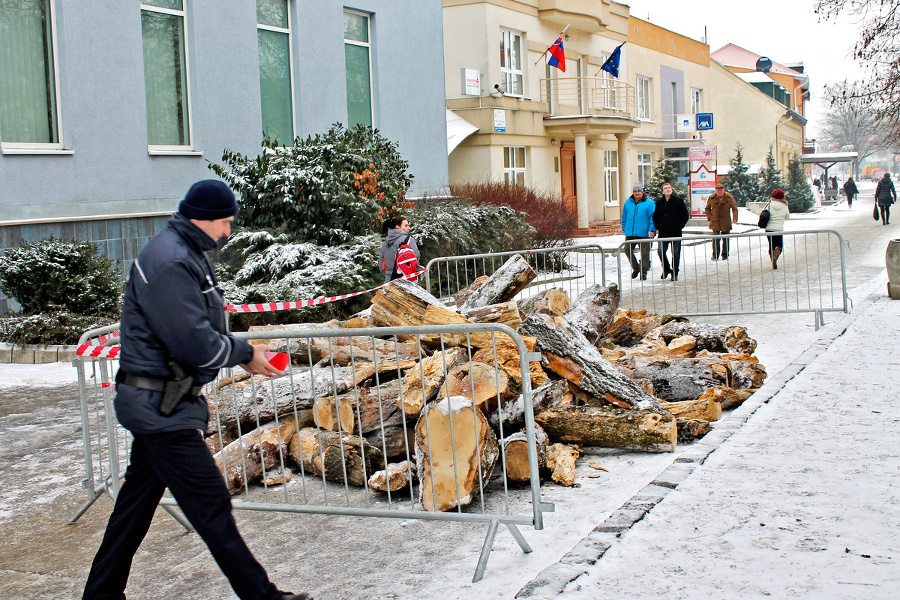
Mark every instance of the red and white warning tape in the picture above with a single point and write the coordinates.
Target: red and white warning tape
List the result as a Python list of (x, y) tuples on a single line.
[(97, 348)]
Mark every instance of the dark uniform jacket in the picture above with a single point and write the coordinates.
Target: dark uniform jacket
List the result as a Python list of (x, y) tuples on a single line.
[(670, 216), (173, 308)]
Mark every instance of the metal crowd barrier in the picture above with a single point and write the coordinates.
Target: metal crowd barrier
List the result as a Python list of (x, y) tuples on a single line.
[(572, 268), (811, 274), (355, 393)]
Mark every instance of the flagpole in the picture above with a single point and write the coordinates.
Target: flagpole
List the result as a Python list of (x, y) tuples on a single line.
[(548, 47)]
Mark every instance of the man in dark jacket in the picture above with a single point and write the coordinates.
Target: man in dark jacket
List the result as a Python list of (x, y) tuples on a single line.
[(670, 217), (885, 195), (173, 311)]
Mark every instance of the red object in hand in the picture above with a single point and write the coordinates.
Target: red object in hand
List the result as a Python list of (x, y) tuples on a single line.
[(279, 360)]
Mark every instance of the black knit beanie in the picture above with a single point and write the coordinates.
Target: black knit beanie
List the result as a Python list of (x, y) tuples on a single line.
[(208, 200)]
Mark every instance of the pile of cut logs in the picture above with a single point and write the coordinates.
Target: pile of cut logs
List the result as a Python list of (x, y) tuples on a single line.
[(438, 410)]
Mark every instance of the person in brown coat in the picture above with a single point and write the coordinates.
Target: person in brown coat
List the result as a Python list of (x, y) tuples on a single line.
[(721, 210)]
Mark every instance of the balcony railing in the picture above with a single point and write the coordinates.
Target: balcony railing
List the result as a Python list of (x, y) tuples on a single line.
[(570, 96)]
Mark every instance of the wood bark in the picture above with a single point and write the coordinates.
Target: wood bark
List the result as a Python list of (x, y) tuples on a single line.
[(629, 327), (561, 460), (395, 476), (553, 301), (728, 397), (747, 374), (512, 414), (515, 454), (593, 310), (507, 281), (394, 441), (692, 429), (570, 355), (715, 338), (336, 456), (460, 297), (488, 386), (244, 460), (422, 382), (706, 409), (402, 303), (679, 379), (451, 473), (611, 427), (505, 313)]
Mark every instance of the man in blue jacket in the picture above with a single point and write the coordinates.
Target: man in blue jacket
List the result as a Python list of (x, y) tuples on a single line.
[(637, 223), (173, 319)]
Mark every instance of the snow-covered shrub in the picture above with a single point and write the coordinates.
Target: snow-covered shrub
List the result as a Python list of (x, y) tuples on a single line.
[(325, 189), (52, 274), (56, 327)]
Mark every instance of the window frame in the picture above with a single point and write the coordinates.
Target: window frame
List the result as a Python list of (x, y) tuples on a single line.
[(696, 98), (510, 74), (290, 38), (368, 46), (512, 171), (58, 146), (611, 178), (175, 149), (642, 98), (644, 165)]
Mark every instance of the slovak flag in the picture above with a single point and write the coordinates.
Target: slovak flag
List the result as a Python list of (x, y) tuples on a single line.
[(557, 55)]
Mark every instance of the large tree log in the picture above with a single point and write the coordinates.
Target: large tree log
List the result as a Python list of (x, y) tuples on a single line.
[(395, 476), (680, 379), (402, 303), (593, 310), (569, 354), (507, 281), (337, 456), (515, 454), (715, 338), (460, 297), (512, 414), (422, 382), (488, 386), (244, 460), (553, 301), (245, 403), (451, 473), (706, 409), (611, 427), (629, 327)]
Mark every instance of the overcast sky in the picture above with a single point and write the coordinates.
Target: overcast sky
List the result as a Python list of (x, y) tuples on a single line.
[(786, 31)]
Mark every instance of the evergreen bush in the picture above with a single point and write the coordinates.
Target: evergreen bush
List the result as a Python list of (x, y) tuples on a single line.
[(770, 176), (55, 327), (664, 172), (743, 185), (799, 196)]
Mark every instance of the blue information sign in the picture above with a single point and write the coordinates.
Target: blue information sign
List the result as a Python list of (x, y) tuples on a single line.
[(704, 121)]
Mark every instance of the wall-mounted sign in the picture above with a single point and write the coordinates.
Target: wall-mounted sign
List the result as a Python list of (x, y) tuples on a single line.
[(499, 120), (702, 153), (471, 82), (684, 123), (704, 121)]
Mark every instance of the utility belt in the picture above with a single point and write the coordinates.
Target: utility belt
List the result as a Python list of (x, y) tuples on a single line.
[(174, 390)]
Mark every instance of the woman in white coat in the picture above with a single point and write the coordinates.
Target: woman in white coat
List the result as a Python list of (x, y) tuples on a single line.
[(778, 214)]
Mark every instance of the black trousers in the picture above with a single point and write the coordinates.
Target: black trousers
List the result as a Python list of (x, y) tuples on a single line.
[(720, 245), (775, 241), (885, 213), (180, 461), (664, 256)]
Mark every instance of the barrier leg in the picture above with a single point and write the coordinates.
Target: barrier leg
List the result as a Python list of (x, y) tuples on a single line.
[(485, 551), (519, 538), (178, 517), (84, 507)]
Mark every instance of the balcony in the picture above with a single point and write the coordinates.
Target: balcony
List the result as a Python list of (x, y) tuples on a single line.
[(596, 104)]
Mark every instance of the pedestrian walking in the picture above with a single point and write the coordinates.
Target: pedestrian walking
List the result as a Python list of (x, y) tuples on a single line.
[(173, 341), (721, 210), (396, 232), (637, 224), (885, 195), (778, 214), (850, 190), (670, 217)]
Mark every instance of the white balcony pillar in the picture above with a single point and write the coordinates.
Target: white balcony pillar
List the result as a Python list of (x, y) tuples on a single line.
[(581, 178), (625, 176)]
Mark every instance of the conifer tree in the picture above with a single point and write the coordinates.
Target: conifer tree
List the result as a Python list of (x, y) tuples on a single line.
[(742, 184), (799, 196), (770, 176), (664, 172)]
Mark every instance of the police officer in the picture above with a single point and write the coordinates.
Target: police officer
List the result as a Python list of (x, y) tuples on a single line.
[(173, 321)]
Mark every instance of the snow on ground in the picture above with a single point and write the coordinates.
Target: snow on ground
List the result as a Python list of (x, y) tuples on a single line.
[(12, 375)]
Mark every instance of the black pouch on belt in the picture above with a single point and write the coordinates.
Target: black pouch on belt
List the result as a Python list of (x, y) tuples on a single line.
[(175, 388)]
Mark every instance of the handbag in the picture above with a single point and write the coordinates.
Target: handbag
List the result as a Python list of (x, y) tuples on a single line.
[(764, 217), (875, 212)]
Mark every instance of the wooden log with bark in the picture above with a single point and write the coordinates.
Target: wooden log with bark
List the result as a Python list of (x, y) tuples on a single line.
[(336, 456), (515, 454), (593, 310), (706, 409), (570, 355), (488, 386), (460, 297), (507, 281), (553, 301), (244, 460), (679, 379), (629, 327), (422, 383), (506, 313), (692, 429), (451, 474), (715, 338), (728, 397), (746, 374), (402, 303), (611, 427), (512, 414), (395, 476)]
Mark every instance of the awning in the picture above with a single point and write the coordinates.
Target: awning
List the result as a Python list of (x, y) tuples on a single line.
[(458, 129)]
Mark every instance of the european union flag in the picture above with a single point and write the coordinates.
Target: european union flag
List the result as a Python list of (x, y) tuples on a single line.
[(611, 65)]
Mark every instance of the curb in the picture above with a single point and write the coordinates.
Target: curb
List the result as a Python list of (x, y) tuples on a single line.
[(36, 355), (552, 581)]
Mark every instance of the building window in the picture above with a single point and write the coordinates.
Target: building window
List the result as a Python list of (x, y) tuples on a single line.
[(511, 63), (644, 166), (680, 162), (611, 176), (28, 84), (276, 97), (514, 165), (608, 97), (642, 91), (695, 101), (359, 73), (165, 73)]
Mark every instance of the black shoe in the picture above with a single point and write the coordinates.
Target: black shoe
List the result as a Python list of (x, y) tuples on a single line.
[(634, 274), (665, 274), (724, 257), (301, 596), (715, 258), (674, 276), (643, 276)]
